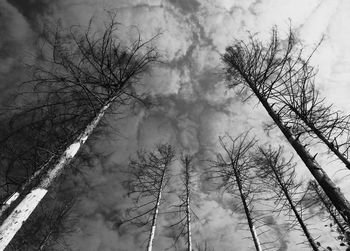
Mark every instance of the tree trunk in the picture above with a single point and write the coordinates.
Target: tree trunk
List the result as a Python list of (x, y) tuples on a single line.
[(23, 210), (188, 213), (155, 215), (247, 212)]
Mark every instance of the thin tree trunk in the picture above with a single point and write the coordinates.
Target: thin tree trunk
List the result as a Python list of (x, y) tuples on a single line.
[(247, 212), (295, 211), (319, 134), (332, 191), (188, 211), (155, 215), (24, 209)]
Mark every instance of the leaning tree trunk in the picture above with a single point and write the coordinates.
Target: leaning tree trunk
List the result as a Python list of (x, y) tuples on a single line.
[(332, 191), (155, 214), (23, 210)]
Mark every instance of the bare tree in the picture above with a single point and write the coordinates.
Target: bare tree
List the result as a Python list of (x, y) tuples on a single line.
[(149, 178), (264, 70), (86, 75), (278, 176), (235, 167)]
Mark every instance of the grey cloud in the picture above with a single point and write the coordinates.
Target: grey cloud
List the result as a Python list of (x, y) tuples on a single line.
[(188, 6)]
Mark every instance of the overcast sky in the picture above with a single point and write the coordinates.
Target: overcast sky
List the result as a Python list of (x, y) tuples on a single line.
[(194, 106)]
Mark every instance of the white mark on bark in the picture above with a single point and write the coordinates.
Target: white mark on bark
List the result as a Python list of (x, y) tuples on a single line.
[(16, 219), (13, 197), (72, 150), (8, 202), (84, 139)]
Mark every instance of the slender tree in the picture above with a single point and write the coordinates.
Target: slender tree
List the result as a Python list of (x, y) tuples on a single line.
[(184, 208), (264, 70), (235, 167), (150, 175), (86, 75), (187, 162), (278, 175)]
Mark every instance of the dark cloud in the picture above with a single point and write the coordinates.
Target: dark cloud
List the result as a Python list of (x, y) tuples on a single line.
[(31, 9), (188, 6), (15, 46), (280, 231)]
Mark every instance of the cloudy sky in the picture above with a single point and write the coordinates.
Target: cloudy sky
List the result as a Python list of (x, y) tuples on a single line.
[(194, 106)]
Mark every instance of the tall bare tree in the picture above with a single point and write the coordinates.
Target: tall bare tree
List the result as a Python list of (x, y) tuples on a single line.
[(264, 71), (235, 167), (278, 176), (85, 76), (150, 175)]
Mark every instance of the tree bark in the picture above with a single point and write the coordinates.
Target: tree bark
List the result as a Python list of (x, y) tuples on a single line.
[(246, 210), (156, 211), (188, 211), (23, 189)]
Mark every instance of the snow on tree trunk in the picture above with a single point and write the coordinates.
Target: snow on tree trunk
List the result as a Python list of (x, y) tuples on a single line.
[(23, 210)]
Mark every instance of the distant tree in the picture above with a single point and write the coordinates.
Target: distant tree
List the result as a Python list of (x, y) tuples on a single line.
[(278, 176), (265, 71), (234, 167), (70, 93), (149, 176)]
